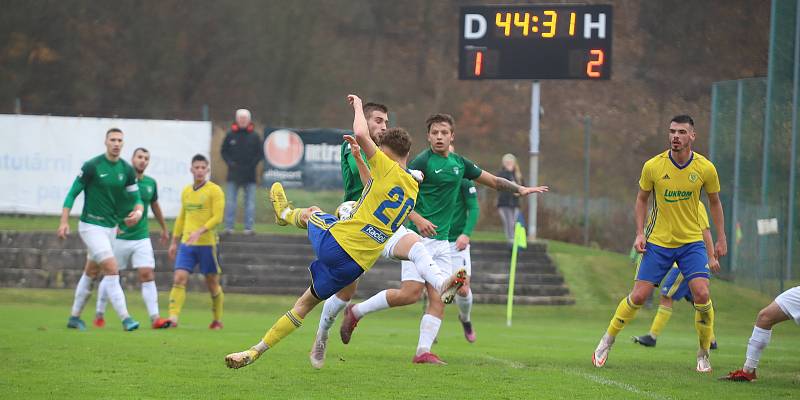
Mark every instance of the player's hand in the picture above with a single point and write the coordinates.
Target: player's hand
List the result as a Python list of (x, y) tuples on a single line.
[(640, 243), (426, 228), (194, 236), (172, 251), (354, 100), (525, 190), (417, 174), (133, 218), (164, 238), (354, 147), (713, 264), (721, 248), (462, 242), (63, 230)]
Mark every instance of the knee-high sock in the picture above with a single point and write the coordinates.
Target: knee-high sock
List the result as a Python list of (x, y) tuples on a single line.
[(332, 307), (375, 303), (660, 320), (82, 293), (217, 300), (426, 267), (102, 297), (704, 323), (177, 296), (116, 295), (282, 328), (428, 329), (150, 297), (758, 342), (292, 216), (625, 312), (464, 304)]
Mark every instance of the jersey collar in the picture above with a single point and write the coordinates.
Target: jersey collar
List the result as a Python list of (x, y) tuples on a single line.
[(196, 188), (675, 163)]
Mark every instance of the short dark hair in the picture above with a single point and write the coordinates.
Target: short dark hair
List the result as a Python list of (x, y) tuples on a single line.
[(683, 119), (438, 118), (397, 140), (112, 130), (199, 157), (142, 149), (370, 107)]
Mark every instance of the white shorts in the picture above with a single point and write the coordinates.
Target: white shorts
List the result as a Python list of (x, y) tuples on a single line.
[(98, 241), (135, 253), (460, 259), (440, 252), (388, 249), (789, 302)]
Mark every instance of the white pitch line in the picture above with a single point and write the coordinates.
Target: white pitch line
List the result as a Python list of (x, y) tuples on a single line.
[(609, 382)]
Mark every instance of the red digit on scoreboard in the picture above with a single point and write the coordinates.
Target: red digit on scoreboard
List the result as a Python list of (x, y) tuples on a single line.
[(596, 59), (478, 63)]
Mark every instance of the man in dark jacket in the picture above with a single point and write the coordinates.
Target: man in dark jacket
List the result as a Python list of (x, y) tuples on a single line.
[(241, 150)]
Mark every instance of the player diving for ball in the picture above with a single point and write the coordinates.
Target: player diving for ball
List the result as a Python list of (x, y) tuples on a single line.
[(346, 249), (432, 218)]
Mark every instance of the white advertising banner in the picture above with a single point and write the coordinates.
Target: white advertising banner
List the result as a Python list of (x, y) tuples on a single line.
[(40, 156)]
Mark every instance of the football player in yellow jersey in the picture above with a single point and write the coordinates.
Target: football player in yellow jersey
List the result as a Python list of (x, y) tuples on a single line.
[(673, 235), (346, 249), (202, 207)]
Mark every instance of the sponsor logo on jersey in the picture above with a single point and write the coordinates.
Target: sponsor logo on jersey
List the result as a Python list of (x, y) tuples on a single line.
[(693, 177), (120, 176), (375, 233), (103, 175), (674, 196), (437, 171), (455, 170)]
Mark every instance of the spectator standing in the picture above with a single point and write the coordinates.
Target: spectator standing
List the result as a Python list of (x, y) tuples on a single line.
[(241, 151), (508, 203)]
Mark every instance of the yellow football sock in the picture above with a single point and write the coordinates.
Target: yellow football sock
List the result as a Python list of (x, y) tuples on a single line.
[(293, 217), (177, 296), (626, 311), (282, 328), (704, 323), (660, 321), (216, 304)]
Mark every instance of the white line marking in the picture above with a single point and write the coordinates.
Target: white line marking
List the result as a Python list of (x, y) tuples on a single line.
[(609, 382)]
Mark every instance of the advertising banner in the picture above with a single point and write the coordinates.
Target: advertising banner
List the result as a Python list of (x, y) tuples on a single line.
[(307, 158)]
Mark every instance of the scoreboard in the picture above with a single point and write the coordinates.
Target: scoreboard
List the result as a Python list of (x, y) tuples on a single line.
[(535, 42)]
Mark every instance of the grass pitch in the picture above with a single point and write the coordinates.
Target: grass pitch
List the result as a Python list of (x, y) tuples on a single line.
[(545, 354)]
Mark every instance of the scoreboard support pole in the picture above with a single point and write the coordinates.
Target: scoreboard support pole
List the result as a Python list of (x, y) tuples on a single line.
[(533, 200)]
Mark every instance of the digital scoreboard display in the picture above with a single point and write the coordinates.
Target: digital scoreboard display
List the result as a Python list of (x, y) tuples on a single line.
[(535, 42)]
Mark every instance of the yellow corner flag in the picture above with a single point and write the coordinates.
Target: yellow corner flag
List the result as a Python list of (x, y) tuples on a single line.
[(520, 241)]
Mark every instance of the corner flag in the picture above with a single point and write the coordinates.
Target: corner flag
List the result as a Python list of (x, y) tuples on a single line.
[(520, 241)]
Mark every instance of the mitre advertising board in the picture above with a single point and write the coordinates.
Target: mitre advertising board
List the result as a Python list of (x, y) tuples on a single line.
[(303, 158)]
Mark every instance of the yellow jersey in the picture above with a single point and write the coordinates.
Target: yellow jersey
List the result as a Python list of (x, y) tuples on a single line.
[(201, 206), (384, 205), (674, 220)]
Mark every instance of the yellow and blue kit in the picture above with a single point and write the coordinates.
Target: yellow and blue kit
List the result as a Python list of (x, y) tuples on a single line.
[(200, 206), (346, 249)]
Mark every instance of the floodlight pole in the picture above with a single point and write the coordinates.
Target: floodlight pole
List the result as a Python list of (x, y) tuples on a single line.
[(533, 199)]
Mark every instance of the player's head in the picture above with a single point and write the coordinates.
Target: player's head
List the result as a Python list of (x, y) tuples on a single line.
[(396, 143), (140, 159), (114, 142), (243, 118), (199, 167), (441, 132), (377, 118), (681, 132)]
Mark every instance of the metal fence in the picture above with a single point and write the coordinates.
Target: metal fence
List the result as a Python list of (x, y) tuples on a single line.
[(754, 145)]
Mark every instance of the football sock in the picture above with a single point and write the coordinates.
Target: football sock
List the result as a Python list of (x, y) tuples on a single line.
[(82, 293), (625, 312), (704, 323), (660, 321), (116, 296), (176, 298), (426, 267), (758, 342), (330, 309), (428, 329), (464, 304), (375, 303), (217, 300), (102, 297), (293, 217), (150, 296), (282, 328)]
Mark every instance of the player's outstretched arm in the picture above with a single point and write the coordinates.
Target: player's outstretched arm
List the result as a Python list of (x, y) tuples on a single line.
[(640, 213), (715, 206), (360, 127), (355, 152), (505, 185)]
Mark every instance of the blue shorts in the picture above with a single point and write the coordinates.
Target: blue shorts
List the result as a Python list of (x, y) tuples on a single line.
[(691, 258), (333, 269), (675, 287), (206, 257)]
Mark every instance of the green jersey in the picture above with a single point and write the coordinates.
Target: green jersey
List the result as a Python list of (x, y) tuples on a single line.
[(107, 187), (350, 176), (148, 191), (439, 190), (466, 212)]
